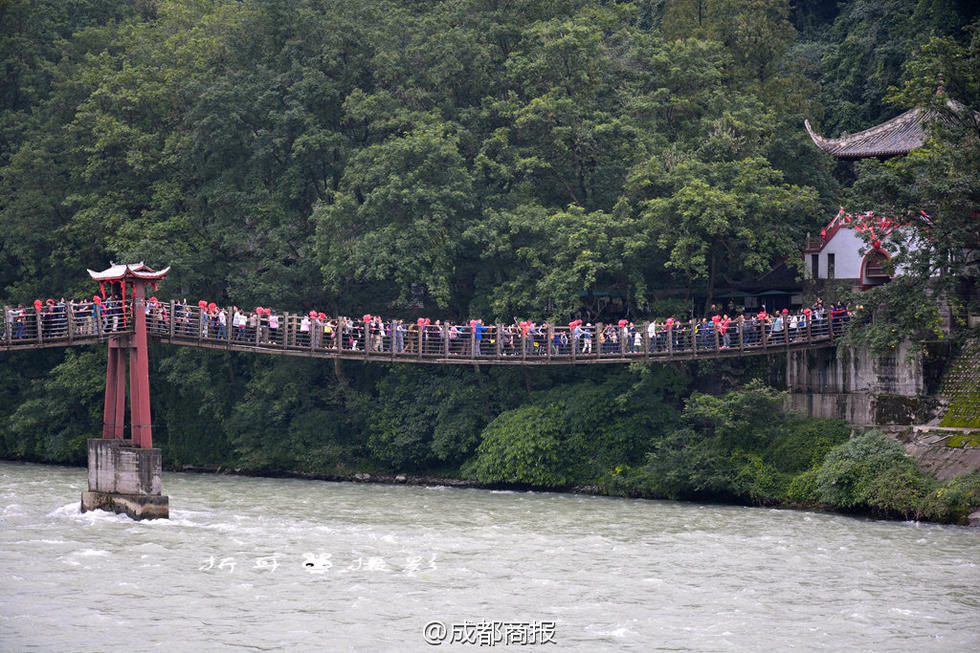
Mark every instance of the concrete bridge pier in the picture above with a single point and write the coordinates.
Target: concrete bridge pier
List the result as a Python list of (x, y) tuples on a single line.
[(125, 479)]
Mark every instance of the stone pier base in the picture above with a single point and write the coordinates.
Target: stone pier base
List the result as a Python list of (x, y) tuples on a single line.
[(125, 479)]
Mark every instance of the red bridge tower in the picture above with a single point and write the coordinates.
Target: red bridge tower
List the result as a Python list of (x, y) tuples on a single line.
[(124, 474)]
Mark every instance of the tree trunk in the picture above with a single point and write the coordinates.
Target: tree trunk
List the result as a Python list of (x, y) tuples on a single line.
[(709, 299)]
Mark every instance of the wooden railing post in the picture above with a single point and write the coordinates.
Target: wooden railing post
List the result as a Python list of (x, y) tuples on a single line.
[(573, 342), (646, 339), (597, 339), (37, 321), (200, 324), (498, 336), (741, 333), (7, 328), (830, 324), (70, 317), (693, 337), (670, 340)]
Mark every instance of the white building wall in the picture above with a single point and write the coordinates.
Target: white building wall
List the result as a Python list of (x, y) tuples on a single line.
[(845, 246)]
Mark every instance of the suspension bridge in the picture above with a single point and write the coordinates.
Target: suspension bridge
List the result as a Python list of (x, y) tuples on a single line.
[(124, 472)]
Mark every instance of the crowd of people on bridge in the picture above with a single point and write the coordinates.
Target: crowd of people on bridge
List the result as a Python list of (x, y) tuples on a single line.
[(50, 319), (719, 329)]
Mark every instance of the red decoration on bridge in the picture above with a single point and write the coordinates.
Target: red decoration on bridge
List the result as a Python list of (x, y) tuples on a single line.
[(137, 277)]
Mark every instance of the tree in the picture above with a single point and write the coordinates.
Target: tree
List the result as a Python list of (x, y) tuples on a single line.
[(933, 190), (540, 262), (723, 219), (397, 219)]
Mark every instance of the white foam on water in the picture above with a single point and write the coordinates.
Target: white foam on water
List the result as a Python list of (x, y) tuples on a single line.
[(618, 631), (73, 511)]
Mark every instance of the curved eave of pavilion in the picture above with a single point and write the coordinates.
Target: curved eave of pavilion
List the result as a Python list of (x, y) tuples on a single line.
[(900, 135), (129, 271)]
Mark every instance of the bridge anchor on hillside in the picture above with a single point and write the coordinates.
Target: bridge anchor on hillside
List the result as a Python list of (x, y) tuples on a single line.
[(124, 474)]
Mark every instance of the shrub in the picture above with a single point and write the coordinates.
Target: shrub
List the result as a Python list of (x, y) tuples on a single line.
[(872, 472), (524, 445)]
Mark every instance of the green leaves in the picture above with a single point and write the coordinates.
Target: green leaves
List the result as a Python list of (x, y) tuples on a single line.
[(398, 216), (724, 217), (525, 445), (542, 261)]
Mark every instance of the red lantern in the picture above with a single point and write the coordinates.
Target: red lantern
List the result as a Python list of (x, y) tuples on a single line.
[(312, 314), (212, 306), (38, 305), (323, 316), (623, 323), (202, 304)]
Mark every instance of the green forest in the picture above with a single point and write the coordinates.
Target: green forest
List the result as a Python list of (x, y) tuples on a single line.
[(478, 158)]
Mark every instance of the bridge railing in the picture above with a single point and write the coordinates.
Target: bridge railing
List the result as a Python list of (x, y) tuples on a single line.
[(404, 341), (60, 324)]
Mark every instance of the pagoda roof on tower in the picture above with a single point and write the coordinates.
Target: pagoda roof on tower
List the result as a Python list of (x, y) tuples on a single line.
[(129, 271)]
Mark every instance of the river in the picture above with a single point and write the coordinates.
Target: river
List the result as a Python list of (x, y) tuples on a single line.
[(274, 564)]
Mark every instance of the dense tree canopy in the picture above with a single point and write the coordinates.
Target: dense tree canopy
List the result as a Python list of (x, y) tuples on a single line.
[(455, 155), (491, 158)]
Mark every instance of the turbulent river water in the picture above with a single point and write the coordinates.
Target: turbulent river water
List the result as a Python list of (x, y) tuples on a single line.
[(273, 564)]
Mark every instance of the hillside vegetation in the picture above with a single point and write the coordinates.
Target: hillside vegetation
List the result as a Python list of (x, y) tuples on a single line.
[(491, 158)]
